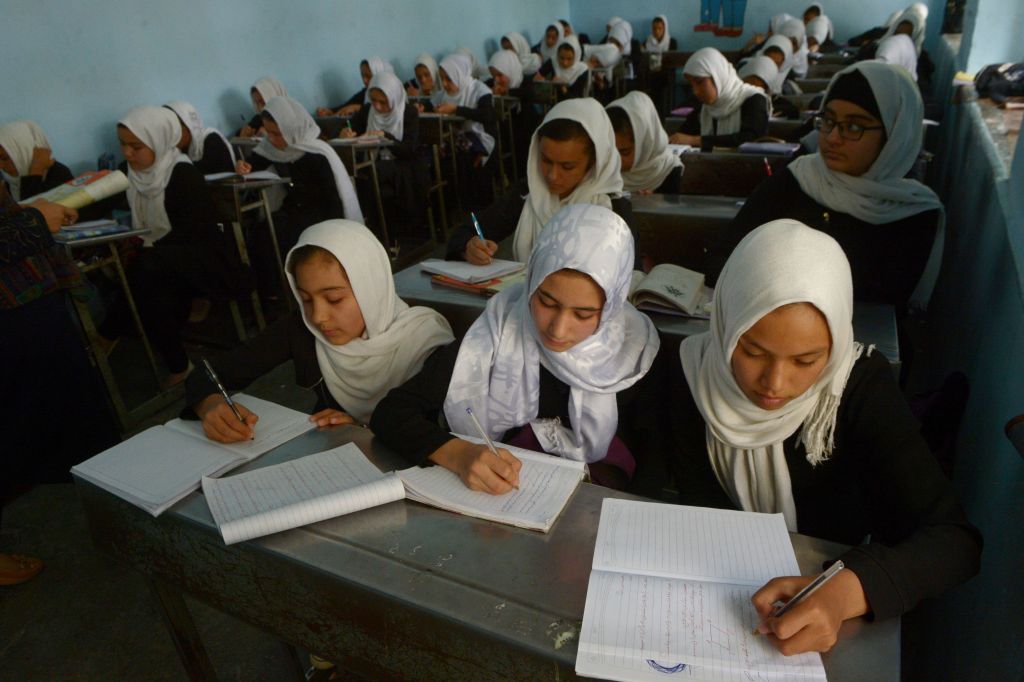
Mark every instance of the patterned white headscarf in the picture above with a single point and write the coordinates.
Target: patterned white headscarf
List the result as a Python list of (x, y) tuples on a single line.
[(497, 372)]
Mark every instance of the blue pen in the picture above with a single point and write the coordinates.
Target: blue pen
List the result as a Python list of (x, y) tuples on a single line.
[(476, 225)]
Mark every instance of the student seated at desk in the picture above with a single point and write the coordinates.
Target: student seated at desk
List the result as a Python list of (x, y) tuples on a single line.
[(529, 61), (780, 50), (207, 148), (402, 177), (898, 49), (465, 96), (762, 73), (602, 59), (659, 40), (185, 254), (261, 92), (27, 162), (820, 32), (757, 41), (425, 81), (572, 160), (548, 46), (854, 189), (648, 166), (571, 75), (795, 30), (320, 188), (555, 364), (506, 73), (352, 339), (729, 113), (368, 68), (778, 410)]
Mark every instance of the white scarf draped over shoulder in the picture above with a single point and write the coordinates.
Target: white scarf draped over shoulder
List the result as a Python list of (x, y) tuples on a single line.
[(603, 179), (898, 49), (159, 129), (470, 92), (397, 340), (724, 117), (783, 43), (652, 161), (392, 122), (507, 63), (20, 140), (190, 117), (577, 68), (302, 135), (779, 263), (652, 44), (497, 372), (882, 194), (529, 60)]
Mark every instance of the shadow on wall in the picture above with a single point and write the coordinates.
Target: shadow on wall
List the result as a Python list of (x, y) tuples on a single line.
[(236, 107)]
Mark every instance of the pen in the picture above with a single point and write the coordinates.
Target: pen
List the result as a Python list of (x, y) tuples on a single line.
[(479, 233), (809, 589), (220, 387), (767, 167), (483, 434)]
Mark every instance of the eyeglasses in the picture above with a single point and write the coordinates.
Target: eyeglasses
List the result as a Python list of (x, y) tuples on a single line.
[(847, 131)]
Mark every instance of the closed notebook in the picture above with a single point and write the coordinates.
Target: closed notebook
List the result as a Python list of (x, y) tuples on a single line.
[(163, 464), (671, 289), (486, 288), (467, 272), (89, 228)]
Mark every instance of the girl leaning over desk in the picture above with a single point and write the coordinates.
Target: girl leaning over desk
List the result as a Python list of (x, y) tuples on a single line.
[(778, 409)]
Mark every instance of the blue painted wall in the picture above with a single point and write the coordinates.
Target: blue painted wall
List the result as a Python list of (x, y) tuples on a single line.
[(992, 32), (848, 17), (75, 68)]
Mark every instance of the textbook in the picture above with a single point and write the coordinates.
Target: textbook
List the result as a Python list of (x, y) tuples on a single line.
[(85, 189), (342, 480), (89, 228), (163, 464), (671, 289), (669, 595), (488, 288), (469, 273)]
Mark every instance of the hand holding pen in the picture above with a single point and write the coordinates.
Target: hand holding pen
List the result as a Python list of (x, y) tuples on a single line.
[(224, 420), (479, 249)]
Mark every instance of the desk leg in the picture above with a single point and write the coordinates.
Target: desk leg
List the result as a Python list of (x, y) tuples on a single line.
[(85, 317), (440, 194), (380, 203), (455, 168), (512, 147), (183, 631), (134, 310), (243, 255), (286, 288)]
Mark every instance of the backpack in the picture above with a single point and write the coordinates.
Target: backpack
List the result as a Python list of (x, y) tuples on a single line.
[(1000, 81)]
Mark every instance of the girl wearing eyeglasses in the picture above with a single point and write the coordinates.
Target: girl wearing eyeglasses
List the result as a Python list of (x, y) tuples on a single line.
[(854, 189)]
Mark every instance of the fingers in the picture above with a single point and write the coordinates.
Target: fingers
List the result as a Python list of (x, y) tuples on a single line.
[(480, 252), (70, 215), (489, 473), (242, 167), (512, 464), (330, 417), (220, 424), (776, 589)]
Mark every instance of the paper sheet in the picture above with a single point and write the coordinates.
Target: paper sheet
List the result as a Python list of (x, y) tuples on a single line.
[(467, 272)]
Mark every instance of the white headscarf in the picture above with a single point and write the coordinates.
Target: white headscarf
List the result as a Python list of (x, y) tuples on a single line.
[(917, 15), (508, 64), (624, 34), (302, 135), (159, 129), (427, 60), (476, 70), (393, 122), (546, 52), (708, 62), (190, 117), (898, 49), (762, 67), (459, 71), (830, 30), (607, 55), (397, 339), (653, 161), (497, 372), (269, 88), (19, 139), (779, 263), (777, 20), (882, 194), (781, 42), (578, 68), (819, 28), (794, 28), (652, 44), (377, 66), (527, 58), (602, 179)]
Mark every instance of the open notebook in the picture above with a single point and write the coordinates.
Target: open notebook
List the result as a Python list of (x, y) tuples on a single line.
[(669, 596), (163, 464), (467, 272), (341, 481)]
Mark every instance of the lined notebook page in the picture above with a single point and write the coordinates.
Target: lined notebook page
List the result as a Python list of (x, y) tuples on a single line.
[(298, 492), (717, 545), (277, 425), (638, 627), (545, 485)]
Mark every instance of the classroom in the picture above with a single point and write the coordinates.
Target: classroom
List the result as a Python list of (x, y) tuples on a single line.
[(535, 340)]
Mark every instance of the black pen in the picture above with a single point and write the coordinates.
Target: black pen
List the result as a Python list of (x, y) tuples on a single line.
[(220, 387), (809, 588)]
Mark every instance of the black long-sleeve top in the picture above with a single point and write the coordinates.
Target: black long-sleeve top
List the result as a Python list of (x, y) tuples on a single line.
[(57, 174), (404, 149), (483, 112), (408, 420), (753, 124), (499, 220), (286, 339), (880, 481), (565, 91), (313, 191), (358, 98), (886, 260), (216, 156)]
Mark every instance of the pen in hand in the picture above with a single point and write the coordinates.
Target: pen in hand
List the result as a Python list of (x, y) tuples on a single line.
[(223, 392), (483, 434), (809, 589)]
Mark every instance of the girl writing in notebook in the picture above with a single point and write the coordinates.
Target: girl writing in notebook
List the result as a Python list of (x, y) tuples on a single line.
[(185, 254), (729, 113), (778, 409), (854, 188), (351, 340), (207, 148), (368, 68), (554, 364), (27, 162), (320, 186), (572, 160), (648, 166), (261, 92)]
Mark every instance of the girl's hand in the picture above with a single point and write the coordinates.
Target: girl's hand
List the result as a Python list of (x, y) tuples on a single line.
[(419, 107), (243, 167), (42, 160), (813, 624), (55, 215), (330, 417), (683, 138), (538, 77), (220, 423), (446, 108), (247, 131), (347, 133), (324, 111), (411, 91), (374, 133), (478, 467), (349, 110), (480, 252)]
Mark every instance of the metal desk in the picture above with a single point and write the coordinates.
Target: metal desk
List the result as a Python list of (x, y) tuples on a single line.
[(731, 174), (506, 107), (406, 591), (681, 228), (812, 85), (349, 150)]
